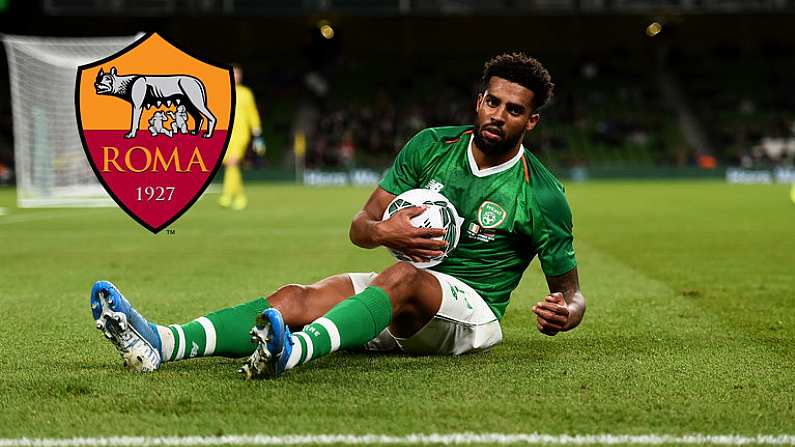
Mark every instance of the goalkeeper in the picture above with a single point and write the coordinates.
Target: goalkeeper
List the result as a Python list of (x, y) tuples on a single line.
[(514, 210), (247, 124)]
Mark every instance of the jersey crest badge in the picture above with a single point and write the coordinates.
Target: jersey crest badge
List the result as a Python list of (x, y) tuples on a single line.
[(491, 215), (155, 122)]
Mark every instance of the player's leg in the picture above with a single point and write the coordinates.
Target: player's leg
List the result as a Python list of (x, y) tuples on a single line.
[(464, 323), (233, 179), (226, 189), (225, 332), (402, 297), (239, 199), (301, 304)]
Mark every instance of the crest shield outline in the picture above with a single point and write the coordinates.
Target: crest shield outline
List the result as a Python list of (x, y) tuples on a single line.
[(491, 215), (155, 122)]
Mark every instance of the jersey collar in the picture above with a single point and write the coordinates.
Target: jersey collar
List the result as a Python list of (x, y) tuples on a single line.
[(477, 172)]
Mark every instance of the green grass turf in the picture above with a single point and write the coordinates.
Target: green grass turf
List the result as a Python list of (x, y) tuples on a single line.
[(690, 324)]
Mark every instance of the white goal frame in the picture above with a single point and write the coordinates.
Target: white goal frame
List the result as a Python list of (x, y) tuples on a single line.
[(50, 164)]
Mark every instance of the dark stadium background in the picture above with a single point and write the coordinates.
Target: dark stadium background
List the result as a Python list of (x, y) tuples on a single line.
[(707, 92)]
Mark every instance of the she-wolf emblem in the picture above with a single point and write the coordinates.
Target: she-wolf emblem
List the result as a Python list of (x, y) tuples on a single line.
[(148, 90)]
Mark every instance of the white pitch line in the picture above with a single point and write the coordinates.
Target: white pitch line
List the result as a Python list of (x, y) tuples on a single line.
[(413, 439)]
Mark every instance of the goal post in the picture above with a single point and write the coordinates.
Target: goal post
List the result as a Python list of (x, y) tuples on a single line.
[(50, 164)]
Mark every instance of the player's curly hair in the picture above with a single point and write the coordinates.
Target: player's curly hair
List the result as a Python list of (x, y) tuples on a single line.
[(523, 70)]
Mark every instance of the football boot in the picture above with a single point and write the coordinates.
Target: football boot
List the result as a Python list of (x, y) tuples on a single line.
[(135, 338), (274, 346)]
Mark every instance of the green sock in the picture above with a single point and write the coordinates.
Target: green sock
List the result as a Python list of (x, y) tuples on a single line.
[(349, 324), (224, 333)]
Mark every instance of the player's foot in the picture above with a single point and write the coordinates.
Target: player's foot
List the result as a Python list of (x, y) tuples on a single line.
[(225, 201), (274, 346), (240, 203), (135, 338)]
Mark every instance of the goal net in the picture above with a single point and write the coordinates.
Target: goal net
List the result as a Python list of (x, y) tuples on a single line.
[(51, 167)]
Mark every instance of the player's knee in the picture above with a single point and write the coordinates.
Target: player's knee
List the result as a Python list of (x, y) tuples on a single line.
[(398, 280), (292, 292)]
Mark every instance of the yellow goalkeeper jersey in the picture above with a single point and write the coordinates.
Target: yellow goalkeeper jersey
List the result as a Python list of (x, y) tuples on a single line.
[(246, 119)]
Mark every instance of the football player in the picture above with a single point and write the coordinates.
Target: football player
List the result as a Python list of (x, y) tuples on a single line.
[(514, 210), (246, 126)]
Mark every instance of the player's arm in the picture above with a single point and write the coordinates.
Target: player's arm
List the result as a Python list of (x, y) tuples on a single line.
[(253, 118), (564, 307), (369, 231)]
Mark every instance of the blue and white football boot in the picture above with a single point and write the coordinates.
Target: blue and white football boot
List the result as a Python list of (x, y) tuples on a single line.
[(274, 346), (135, 338)]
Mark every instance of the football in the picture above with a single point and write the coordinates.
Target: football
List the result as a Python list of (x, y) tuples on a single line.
[(440, 213)]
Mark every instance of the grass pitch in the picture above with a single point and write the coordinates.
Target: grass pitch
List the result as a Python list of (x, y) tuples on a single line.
[(690, 325)]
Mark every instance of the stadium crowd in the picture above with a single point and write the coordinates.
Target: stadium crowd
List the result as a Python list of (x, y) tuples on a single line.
[(605, 113), (591, 120), (594, 120)]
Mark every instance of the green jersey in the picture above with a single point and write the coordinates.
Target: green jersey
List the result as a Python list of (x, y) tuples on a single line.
[(511, 212)]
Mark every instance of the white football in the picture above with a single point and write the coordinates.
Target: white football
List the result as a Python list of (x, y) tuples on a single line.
[(440, 213)]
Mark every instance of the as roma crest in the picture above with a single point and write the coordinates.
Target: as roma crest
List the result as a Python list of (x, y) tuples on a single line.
[(155, 123)]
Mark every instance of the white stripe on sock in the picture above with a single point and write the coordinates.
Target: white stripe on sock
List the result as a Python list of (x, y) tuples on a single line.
[(333, 332), (209, 335), (181, 343), (295, 355), (309, 348)]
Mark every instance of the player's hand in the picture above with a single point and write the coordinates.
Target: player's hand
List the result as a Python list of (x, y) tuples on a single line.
[(259, 145), (231, 161), (399, 234), (552, 313)]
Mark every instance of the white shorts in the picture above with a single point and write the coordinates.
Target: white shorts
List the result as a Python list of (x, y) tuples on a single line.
[(464, 322)]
